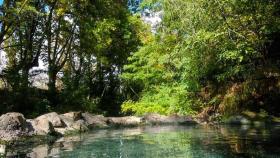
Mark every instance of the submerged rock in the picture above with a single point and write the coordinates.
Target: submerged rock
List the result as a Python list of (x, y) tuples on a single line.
[(40, 151), (125, 121)]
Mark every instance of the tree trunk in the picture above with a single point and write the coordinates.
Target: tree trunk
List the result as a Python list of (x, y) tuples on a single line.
[(52, 97)]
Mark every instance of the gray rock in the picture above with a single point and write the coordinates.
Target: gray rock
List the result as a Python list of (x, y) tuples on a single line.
[(12, 135), (95, 120), (125, 121), (80, 125), (42, 126), (71, 125), (13, 121), (13, 126), (75, 116), (54, 118), (161, 119), (77, 126), (68, 121), (71, 122)]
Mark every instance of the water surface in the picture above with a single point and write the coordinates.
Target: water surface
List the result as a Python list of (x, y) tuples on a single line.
[(163, 142)]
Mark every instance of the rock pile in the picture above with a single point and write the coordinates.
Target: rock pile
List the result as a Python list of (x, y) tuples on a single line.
[(14, 126)]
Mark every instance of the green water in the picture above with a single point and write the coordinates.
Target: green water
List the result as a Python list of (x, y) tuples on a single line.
[(163, 142)]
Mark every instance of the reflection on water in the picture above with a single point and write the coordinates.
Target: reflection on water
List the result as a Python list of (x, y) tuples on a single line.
[(162, 142)]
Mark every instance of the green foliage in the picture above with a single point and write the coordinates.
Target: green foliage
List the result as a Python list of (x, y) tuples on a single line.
[(99, 55), (202, 44), (163, 99), (84, 44)]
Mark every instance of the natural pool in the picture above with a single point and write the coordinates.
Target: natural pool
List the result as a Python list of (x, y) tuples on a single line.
[(194, 141)]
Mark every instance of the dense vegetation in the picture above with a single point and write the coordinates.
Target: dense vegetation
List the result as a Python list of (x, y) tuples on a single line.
[(220, 55), (83, 44)]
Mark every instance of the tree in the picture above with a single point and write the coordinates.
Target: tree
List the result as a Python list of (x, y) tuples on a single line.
[(202, 48), (60, 35), (23, 43), (107, 35), (8, 18)]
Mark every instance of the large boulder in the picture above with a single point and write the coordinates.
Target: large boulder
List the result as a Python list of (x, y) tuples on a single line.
[(94, 120), (161, 119), (68, 121), (53, 118), (73, 123), (80, 125), (125, 121), (42, 126), (13, 121), (76, 126), (13, 126), (75, 116)]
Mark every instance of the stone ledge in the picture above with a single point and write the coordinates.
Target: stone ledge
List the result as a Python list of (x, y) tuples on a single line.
[(13, 126)]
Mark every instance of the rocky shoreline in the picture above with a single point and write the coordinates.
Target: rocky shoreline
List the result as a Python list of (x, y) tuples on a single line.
[(15, 127)]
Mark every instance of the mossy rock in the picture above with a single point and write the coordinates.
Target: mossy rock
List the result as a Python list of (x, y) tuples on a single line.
[(237, 120), (253, 118)]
